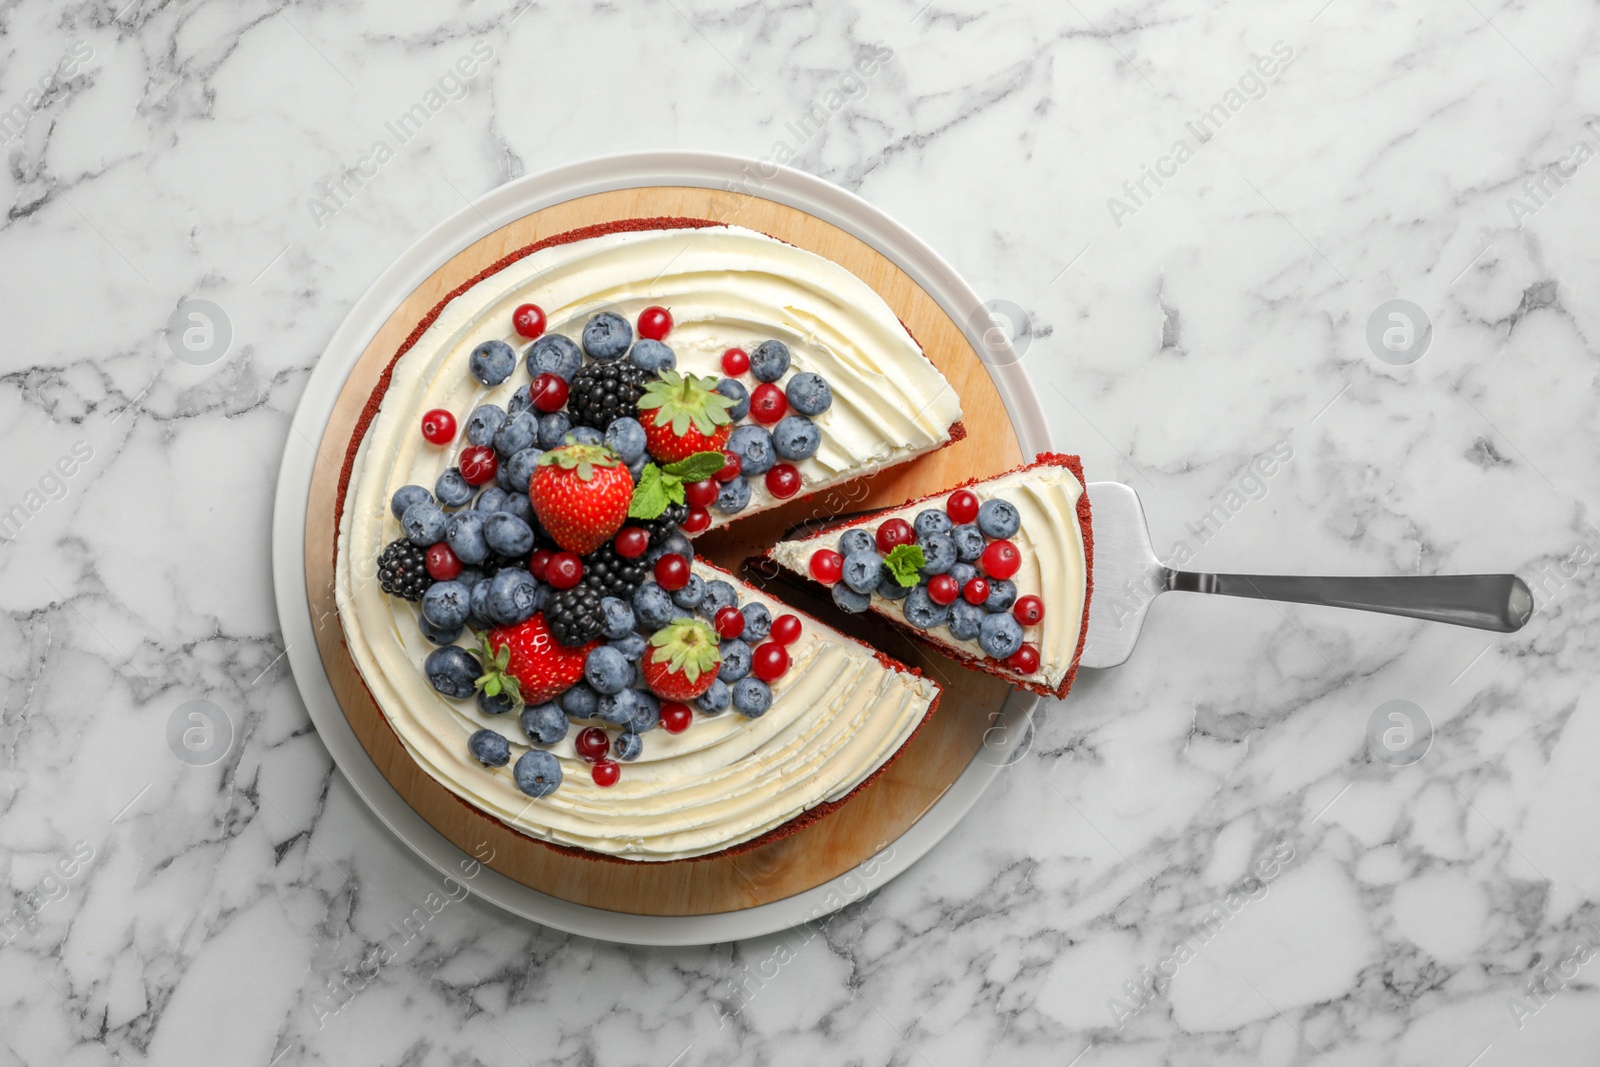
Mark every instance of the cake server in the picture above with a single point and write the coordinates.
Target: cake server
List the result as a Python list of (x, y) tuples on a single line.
[(1127, 577)]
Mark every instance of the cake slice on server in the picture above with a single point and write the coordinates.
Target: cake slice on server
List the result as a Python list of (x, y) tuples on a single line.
[(994, 573)]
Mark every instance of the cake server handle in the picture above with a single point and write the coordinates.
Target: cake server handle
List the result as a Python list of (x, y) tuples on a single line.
[(1500, 602)]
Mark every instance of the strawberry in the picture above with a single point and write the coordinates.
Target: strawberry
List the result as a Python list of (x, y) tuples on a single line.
[(683, 660), (580, 494), (527, 661), (683, 414)]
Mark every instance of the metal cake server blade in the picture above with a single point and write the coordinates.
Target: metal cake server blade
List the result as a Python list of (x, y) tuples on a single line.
[(1128, 577)]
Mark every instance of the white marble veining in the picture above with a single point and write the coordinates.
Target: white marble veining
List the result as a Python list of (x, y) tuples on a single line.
[(1109, 899)]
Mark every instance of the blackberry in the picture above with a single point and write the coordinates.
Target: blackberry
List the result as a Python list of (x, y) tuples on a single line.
[(403, 571), (611, 574), (662, 525), (497, 563), (601, 393), (574, 615)]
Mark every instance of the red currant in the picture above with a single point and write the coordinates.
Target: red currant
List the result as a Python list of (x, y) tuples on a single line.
[(943, 589), (826, 565), (539, 562), (675, 717), (1024, 660), (528, 320), (700, 494), (732, 464), (783, 481), (697, 521), (767, 403), (439, 426), (735, 361), (631, 542), (1028, 610), (442, 563), (730, 622), (785, 629), (976, 591), (478, 464), (548, 392), (605, 773), (592, 744), (563, 571), (962, 506), (655, 322), (769, 661), (1000, 560), (894, 532), (672, 572)]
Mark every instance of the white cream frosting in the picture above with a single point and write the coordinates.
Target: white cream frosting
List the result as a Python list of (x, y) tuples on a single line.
[(1053, 568), (837, 715)]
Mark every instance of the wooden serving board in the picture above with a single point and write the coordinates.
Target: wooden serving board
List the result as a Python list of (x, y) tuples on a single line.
[(882, 810)]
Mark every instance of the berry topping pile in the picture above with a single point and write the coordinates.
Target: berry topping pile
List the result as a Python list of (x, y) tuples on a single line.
[(951, 566)]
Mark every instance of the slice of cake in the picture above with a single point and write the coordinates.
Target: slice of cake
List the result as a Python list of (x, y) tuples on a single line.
[(993, 573)]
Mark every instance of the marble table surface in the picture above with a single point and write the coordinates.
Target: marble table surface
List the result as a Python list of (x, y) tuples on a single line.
[(1278, 835)]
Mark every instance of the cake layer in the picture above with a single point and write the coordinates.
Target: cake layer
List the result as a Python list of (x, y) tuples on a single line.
[(1055, 548)]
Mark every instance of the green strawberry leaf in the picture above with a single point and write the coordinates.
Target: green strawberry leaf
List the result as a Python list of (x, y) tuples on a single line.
[(698, 467), (904, 561)]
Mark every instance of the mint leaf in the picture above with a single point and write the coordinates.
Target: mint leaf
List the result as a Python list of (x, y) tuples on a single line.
[(698, 467), (904, 561), (652, 495), (674, 487)]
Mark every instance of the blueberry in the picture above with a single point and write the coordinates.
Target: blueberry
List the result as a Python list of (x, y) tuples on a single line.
[(538, 773), (1002, 594), (809, 393), (439, 635), (424, 524), (446, 604), (484, 422), (719, 595), (514, 596), (962, 573), (521, 400), (628, 744), (757, 622), (470, 576), (517, 471), (507, 534), (481, 617), (861, 570), (1000, 634), (715, 699), (653, 607), (751, 697), (754, 446), (498, 704), (607, 336), (652, 356), (518, 505), (489, 500), (616, 708), (889, 586), (553, 354), (796, 437), (964, 620), (847, 599), (519, 431), (492, 362), (587, 435), (545, 724), (405, 496), (932, 521), (580, 702), (735, 660), (938, 553), (489, 748), (998, 518), (465, 534), (631, 645), (689, 597), (646, 711), (857, 540), (769, 361), (969, 541), (452, 670), (616, 616), (735, 391), (734, 496), (553, 429), (625, 437), (636, 468), (922, 612), (452, 489), (674, 544), (607, 671)]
